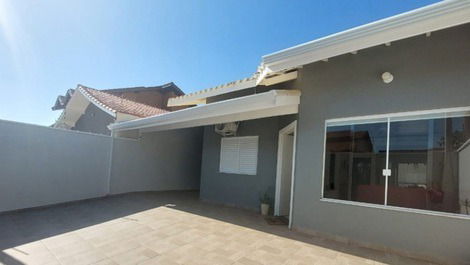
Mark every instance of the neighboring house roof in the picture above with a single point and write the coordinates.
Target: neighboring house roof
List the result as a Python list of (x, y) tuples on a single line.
[(112, 103), (120, 103), (61, 101), (169, 86), (280, 66)]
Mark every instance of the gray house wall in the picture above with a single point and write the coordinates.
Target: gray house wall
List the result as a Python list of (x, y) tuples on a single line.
[(94, 120), (41, 165), (236, 189), (430, 73), (169, 160)]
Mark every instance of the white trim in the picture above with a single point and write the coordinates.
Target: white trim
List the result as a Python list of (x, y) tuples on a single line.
[(324, 160), (96, 102), (268, 104), (291, 128), (281, 78), (377, 118), (396, 208), (110, 164), (387, 163), (389, 117), (430, 18), (398, 114), (464, 145), (199, 97)]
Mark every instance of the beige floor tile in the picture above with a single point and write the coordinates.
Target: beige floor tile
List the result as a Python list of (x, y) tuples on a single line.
[(106, 262), (83, 258), (139, 229), (116, 248), (134, 256)]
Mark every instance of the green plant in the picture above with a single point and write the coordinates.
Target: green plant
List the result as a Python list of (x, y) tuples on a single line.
[(265, 198)]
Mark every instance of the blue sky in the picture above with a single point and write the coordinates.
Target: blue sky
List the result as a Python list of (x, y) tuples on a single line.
[(48, 46)]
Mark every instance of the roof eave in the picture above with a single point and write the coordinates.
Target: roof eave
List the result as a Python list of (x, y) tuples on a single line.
[(96, 102), (205, 114), (416, 22)]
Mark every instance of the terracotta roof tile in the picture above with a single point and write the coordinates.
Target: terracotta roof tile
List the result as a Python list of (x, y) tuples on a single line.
[(118, 104)]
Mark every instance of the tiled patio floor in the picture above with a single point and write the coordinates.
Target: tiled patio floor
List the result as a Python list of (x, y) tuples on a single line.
[(164, 228)]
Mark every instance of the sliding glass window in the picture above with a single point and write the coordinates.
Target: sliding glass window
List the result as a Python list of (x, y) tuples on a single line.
[(420, 162)]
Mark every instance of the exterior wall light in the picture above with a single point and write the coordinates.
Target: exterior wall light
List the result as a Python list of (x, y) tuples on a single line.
[(387, 77)]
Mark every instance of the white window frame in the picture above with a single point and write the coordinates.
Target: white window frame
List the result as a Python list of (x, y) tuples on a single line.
[(239, 171), (389, 117)]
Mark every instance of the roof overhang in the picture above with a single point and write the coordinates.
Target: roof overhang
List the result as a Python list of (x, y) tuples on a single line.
[(268, 104), (76, 106), (200, 97), (424, 20)]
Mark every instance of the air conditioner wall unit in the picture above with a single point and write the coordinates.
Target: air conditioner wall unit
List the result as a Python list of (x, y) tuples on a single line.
[(227, 129)]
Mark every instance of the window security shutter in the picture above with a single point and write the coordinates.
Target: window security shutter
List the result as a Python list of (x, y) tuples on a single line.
[(239, 155)]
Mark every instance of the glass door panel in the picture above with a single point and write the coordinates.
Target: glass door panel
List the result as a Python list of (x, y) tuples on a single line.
[(354, 158), (428, 160)]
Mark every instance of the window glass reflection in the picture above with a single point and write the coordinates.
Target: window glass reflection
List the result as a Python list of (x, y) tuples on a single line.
[(355, 157), (429, 161)]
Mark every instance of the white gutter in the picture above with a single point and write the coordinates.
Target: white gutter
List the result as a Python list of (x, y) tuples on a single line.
[(268, 104), (416, 22)]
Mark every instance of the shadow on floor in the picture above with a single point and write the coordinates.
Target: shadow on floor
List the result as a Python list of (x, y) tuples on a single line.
[(30, 225), (24, 226)]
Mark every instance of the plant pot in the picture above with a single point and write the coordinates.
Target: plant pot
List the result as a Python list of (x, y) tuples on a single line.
[(264, 209)]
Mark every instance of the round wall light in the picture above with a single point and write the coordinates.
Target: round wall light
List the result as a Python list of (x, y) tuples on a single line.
[(387, 77)]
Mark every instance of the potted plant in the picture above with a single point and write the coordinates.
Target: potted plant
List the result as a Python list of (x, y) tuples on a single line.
[(265, 201)]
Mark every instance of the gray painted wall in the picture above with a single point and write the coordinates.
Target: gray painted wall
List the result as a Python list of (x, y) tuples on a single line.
[(429, 73), (41, 165), (169, 160), (94, 120), (242, 190)]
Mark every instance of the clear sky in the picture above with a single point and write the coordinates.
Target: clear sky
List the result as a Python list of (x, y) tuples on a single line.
[(48, 46)]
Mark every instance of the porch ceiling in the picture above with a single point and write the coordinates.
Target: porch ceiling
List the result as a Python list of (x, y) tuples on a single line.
[(268, 104)]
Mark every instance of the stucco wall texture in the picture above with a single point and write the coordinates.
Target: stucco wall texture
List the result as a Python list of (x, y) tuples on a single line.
[(238, 189), (430, 73), (41, 165)]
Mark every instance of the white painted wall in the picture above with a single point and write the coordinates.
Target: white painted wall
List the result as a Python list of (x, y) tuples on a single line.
[(41, 165)]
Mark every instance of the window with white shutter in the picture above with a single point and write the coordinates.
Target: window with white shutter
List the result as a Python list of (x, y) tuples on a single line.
[(239, 155)]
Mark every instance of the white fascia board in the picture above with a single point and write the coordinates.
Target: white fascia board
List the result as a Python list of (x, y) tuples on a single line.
[(283, 77), (96, 102), (74, 109), (199, 97), (233, 117), (125, 117), (268, 104), (420, 21)]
